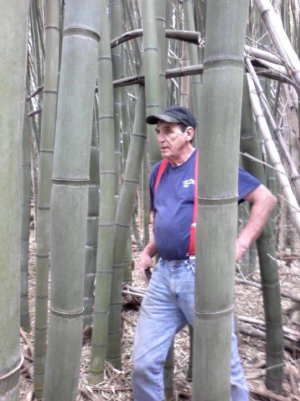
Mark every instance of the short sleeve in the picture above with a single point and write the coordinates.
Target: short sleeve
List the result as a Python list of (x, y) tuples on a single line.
[(246, 184), (152, 180)]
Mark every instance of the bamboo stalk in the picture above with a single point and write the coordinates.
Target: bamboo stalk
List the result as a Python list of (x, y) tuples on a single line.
[(195, 80), (13, 49), (151, 68), (122, 222), (267, 258), (25, 222), (217, 204), (92, 227), (106, 207), (44, 193), (114, 7), (69, 198)]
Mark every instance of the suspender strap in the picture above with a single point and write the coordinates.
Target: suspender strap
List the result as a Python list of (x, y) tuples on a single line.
[(161, 170), (192, 243)]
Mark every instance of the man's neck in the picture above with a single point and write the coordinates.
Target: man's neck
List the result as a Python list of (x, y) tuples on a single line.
[(183, 157)]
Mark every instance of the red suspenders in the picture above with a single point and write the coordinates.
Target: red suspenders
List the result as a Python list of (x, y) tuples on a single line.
[(161, 170)]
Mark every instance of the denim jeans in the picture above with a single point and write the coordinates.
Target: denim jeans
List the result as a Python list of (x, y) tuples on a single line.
[(167, 307)]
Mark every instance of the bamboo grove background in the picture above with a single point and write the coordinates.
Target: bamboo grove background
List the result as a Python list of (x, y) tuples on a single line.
[(77, 80)]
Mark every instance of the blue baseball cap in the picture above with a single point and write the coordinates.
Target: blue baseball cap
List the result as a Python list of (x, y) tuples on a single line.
[(174, 114)]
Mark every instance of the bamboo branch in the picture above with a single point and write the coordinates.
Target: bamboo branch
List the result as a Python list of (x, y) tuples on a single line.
[(37, 91)]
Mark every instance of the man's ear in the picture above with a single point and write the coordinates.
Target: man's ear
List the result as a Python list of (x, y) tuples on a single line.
[(189, 132)]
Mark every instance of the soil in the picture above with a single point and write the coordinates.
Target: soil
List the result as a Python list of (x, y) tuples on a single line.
[(248, 304)]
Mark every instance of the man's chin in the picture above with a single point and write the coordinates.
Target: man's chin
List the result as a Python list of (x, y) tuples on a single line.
[(164, 152)]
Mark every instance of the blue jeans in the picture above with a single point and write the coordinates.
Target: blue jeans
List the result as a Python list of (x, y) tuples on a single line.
[(167, 307)]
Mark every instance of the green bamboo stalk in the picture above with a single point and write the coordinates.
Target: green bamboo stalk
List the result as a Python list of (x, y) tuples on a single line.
[(145, 198), (25, 222), (69, 198), (169, 374), (217, 203), (162, 50), (267, 256), (44, 192), (195, 80), (92, 229), (13, 46), (116, 30), (151, 68), (125, 146), (107, 205), (243, 214), (123, 217), (189, 375)]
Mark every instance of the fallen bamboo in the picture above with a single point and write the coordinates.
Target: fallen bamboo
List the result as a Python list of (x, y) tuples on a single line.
[(248, 330), (284, 294)]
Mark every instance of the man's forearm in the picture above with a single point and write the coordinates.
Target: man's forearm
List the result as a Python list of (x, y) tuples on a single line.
[(150, 249), (263, 202)]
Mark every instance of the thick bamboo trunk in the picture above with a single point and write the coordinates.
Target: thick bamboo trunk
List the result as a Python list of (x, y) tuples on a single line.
[(69, 198), (217, 197), (44, 192), (13, 33)]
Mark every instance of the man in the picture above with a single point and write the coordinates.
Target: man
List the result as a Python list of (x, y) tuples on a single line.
[(169, 301)]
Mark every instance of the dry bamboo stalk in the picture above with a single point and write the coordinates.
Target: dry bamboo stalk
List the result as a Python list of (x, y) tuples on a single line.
[(295, 175), (284, 294), (249, 330), (290, 334), (262, 54), (280, 39), (274, 155), (190, 70)]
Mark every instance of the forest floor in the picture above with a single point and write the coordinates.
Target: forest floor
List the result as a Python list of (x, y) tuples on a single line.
[(248, 308)]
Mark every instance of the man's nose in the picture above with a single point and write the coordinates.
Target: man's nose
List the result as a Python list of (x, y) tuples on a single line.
[(160, 138)]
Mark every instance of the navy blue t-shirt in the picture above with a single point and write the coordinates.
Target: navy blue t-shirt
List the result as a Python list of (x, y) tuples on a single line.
[(173, 204)]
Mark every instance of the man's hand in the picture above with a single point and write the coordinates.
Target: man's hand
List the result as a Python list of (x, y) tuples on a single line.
[(242, 244), (146, 262)]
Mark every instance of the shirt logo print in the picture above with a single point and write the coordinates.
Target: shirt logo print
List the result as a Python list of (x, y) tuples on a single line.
[(187, 183)]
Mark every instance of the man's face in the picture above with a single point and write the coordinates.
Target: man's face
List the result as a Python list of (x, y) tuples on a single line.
[(171, 140)]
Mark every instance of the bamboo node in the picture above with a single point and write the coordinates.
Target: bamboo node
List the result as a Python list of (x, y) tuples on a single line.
[(13, 370), (66, 314), (217, 313)]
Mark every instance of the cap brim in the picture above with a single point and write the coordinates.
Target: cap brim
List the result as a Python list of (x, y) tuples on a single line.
[(161, 117)]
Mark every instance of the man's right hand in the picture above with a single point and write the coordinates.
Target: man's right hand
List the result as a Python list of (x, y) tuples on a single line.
[(146, 263)]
